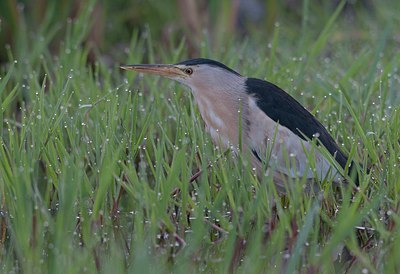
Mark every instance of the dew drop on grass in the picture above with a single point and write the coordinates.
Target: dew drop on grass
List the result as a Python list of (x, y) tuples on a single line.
[(286, 256)]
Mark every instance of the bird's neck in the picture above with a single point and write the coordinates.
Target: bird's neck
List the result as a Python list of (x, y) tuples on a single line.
[(223, 112)]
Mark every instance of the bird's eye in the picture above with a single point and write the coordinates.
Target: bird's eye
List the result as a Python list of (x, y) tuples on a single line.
[(188, 71)]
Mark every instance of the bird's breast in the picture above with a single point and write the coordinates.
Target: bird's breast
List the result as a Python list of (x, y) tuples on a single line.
[(221, 120)]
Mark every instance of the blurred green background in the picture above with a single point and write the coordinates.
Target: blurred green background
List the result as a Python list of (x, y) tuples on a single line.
[(111, 23)]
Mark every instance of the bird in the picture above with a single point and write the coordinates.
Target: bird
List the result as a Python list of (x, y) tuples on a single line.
[(257, 117)]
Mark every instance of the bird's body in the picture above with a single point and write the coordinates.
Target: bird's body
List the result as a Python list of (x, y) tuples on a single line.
[(257, 116)]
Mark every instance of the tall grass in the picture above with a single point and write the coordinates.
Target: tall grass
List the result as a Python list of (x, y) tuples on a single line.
[(97, 165)]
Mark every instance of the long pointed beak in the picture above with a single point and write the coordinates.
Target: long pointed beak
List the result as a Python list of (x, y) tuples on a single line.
[(170, 71)]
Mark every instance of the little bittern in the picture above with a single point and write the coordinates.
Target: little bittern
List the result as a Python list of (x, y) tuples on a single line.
[(269, 119)]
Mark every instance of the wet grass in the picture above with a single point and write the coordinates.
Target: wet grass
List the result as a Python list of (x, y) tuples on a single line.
[(107, 171)]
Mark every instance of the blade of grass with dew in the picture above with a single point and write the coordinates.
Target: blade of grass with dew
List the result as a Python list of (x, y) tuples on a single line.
[(359, 128), (349, 216), (107, 170), (302, 238)]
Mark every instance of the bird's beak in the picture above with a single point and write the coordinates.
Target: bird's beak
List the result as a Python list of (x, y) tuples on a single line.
[(170, 71)]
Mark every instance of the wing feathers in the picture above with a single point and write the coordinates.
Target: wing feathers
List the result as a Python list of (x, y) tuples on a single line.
[(285, 110)]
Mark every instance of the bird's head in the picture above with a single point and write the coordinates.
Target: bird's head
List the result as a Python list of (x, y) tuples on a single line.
[(198, 74)]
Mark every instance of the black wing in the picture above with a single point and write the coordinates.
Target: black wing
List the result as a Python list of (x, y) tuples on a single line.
[(285, 110)]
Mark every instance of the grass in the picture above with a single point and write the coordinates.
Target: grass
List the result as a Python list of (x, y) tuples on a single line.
[(96, 163)]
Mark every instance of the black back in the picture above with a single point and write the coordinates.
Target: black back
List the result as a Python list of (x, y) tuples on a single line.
[(285, 110)]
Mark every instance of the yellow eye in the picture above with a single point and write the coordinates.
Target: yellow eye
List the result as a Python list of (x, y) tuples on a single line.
[(188, 71)]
